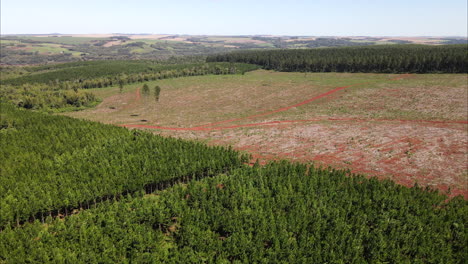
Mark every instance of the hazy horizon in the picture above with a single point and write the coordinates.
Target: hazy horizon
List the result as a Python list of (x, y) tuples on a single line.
[(378, 18), (239, 35)]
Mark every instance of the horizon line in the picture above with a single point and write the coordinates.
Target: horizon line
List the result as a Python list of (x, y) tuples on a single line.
[(236, 35)]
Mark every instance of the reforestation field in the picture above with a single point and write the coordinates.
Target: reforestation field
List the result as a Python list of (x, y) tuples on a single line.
[(54, 164), (340, 155), (410, 128), (282, 213), (85, 198)]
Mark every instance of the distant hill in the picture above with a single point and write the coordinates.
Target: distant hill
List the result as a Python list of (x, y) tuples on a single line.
[(51, 48)]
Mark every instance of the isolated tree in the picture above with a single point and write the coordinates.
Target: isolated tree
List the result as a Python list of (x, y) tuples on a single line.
[(157, 91), (145, 89), (121, 85)]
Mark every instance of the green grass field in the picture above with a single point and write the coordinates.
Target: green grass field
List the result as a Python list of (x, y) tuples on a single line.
[(41, 48), (8, 42), (48, 48), (67, 40)]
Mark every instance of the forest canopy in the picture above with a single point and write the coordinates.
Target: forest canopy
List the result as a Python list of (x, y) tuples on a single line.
[(373, 59)]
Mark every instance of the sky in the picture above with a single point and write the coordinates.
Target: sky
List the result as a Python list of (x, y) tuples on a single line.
[(237, 17)]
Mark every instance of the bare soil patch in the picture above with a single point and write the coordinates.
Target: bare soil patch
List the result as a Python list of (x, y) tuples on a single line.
[(157, 36), (112, 43), (415, 97), (429, 154), (410, 128)]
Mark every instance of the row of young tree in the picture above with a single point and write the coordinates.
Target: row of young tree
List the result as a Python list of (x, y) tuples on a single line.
[(108, 73), (281, 213), (376, 59), (146, 91), (54, 164), (55, 90)]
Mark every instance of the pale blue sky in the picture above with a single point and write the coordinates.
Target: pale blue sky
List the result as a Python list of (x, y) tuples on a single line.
[(237, 17)]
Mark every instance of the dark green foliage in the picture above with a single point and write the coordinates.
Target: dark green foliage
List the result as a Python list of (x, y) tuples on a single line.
[(80, 71), (327, 42), (47, 98), (53, 162), (139, 44), (456, 41), (378, 59), (121, 86), (282, 213), (145, 90), (84, 70), (157, 92), (97, 74)]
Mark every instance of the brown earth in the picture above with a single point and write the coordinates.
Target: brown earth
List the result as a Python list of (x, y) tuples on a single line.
[(431, 152), (112, 43)]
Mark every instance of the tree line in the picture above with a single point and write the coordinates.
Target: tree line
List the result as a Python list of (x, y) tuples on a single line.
[(108, 73), (373, 59), (55, 87)]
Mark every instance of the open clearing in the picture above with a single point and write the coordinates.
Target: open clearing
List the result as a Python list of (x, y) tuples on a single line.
[(411, 128)]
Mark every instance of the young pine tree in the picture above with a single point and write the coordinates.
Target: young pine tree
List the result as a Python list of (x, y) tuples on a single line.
[(157, 91), (145, 89), (121, 85)]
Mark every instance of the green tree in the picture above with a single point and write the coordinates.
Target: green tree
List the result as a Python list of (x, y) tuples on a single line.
[(121, 85), (157, 91), (145, 89)]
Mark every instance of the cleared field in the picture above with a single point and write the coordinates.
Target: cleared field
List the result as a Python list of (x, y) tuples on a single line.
[(413, 97), (411, 128), (192, 101), (69, 40), (228, 39), (42, 48)]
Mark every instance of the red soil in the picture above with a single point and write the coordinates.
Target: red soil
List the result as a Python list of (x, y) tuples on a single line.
[(201, 128), (389, 158), (430, 154)]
